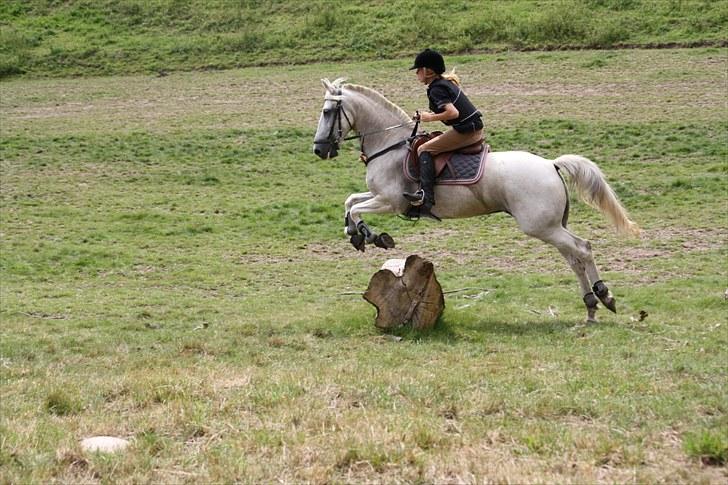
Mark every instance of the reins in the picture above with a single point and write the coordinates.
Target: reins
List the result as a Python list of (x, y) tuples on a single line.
[(362, 135), (367, 159)]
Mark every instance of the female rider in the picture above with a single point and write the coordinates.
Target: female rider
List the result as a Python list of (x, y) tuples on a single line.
[(448, 104)]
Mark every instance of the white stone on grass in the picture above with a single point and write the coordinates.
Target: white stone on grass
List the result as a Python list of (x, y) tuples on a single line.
[(104, 444)]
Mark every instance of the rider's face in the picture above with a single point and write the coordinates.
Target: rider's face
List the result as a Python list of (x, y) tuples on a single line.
[(424, 75)]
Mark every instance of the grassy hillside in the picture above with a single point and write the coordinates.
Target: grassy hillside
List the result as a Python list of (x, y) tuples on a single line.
[(92, 37)]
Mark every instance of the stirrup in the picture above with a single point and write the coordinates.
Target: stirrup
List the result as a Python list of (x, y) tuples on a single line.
[(415, 213), (415, 199), (426, 211)]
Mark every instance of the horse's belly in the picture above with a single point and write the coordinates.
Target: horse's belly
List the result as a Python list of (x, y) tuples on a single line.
[(492, 192), (459, 201)]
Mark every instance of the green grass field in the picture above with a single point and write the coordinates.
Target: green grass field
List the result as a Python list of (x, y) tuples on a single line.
[(174, 272)]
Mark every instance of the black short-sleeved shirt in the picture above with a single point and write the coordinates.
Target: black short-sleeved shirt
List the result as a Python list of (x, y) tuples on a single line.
[(441, 92)]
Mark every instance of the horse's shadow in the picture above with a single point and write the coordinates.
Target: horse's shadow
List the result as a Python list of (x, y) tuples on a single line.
[(450, 330)]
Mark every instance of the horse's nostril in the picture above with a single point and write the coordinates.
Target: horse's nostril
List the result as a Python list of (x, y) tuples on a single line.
[(317, 151)]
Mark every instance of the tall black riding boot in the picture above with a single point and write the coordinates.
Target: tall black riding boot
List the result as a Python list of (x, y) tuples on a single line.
[(425, 197)]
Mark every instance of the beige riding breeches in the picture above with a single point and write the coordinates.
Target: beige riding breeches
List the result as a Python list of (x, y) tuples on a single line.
[(449, 141)]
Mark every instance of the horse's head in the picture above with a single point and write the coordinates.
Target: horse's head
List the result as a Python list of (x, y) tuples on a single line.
[(334, 122)]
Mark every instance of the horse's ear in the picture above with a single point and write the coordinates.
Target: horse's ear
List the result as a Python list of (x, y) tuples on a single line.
[(327, 84)]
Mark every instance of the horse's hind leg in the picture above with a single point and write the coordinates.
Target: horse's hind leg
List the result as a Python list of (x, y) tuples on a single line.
[(577, 253), (588, 296), (598, 287)]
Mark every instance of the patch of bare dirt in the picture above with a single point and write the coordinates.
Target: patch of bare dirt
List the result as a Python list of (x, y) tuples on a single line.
[(525, 255), (667, 243), (258, 258), (232, 382), (517, 256), (696, 239)]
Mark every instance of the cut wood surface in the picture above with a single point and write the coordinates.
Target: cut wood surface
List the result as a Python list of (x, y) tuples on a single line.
[(406, 292)]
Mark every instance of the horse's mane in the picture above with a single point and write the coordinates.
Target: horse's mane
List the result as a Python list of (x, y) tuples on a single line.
[(379, 97)]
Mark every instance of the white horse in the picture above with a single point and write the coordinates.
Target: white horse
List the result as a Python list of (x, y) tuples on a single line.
[(522, 184)]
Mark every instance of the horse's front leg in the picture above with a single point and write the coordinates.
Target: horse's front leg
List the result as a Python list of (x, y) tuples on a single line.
[(349, 226), (375, 205)]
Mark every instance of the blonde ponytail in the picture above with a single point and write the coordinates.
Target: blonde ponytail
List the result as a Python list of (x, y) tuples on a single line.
[(452, 77)]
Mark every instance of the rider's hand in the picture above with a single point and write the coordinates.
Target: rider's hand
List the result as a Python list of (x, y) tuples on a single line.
[(426, 116)]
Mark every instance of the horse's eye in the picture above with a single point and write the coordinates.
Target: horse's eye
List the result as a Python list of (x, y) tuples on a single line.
[(327, 111)]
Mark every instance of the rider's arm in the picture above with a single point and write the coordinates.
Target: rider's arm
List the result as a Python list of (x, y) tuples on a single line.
[(450, 113)]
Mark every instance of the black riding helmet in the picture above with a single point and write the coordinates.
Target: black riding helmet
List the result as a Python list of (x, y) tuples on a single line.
[(431, 59)]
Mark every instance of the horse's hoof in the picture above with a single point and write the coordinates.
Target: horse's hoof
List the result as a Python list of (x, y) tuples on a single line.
[(357, 240), (384, 241), (610, 303), (605, 296), (591, 321)]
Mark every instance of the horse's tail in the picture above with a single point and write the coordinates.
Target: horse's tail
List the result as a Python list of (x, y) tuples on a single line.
[(588, 180)]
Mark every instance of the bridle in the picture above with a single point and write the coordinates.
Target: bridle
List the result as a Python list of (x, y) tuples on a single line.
[(334, 139)]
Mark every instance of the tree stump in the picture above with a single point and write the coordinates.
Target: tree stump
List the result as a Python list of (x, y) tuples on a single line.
[(406, 292)]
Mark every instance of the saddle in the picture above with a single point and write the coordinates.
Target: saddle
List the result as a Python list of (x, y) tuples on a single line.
[(464, 165)]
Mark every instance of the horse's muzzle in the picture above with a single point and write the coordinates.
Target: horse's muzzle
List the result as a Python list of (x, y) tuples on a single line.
[(325, 150)]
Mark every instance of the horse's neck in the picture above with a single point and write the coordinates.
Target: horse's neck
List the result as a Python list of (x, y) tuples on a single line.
[(372, 115), (384, 173)]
